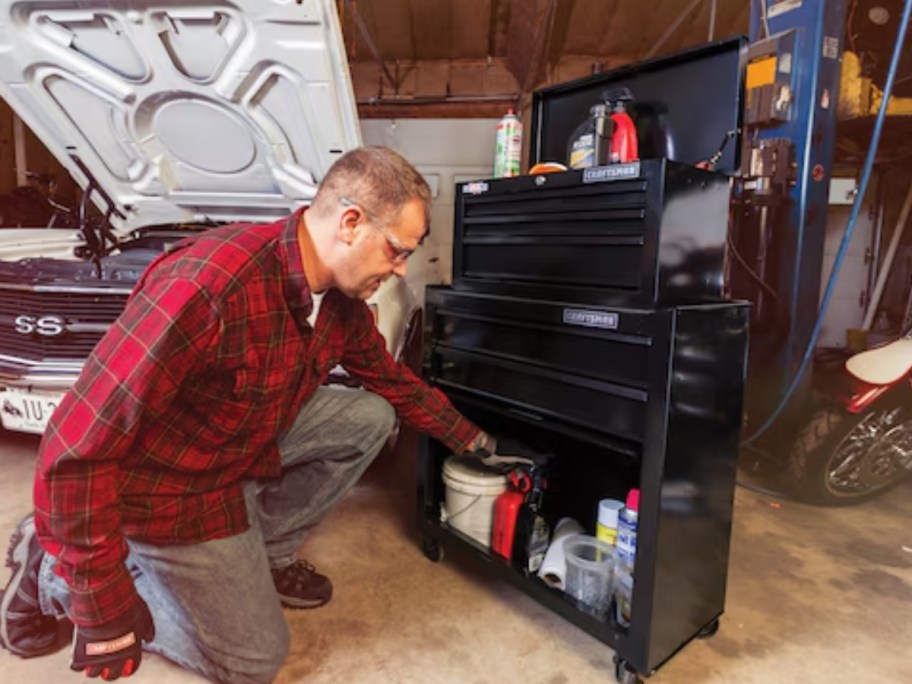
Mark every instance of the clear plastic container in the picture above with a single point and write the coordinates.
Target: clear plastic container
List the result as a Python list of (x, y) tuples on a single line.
[(590, 573)]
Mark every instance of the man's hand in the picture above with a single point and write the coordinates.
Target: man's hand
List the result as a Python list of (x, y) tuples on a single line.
[(113, 649), (504, 451)]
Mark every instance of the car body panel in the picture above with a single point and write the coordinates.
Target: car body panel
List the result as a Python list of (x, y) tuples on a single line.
[(184, 112), (172, 117)]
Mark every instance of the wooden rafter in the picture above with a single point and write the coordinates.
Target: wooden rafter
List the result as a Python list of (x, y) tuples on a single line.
[(527, 36), (369, 41)]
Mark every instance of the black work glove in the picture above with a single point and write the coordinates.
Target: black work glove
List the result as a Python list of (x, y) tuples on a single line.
[(510, 452), (113, 649)]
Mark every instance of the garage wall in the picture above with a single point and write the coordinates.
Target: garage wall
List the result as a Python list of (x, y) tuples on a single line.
[(37, 159), (446, 152), (849, 302)]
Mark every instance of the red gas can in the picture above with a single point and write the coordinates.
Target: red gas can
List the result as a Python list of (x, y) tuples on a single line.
[(506, 511)]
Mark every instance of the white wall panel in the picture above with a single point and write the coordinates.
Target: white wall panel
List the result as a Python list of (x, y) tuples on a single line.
[(445, 151), (847, 307)]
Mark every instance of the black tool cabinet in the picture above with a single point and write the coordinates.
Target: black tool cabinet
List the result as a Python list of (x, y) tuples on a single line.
[(632, 376), (641, 233)]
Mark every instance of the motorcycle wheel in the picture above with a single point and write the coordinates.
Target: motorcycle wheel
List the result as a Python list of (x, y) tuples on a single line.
[(840, 459)]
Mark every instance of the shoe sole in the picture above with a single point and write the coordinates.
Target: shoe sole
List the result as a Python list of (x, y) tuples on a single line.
[(17, 557), (297, 603)]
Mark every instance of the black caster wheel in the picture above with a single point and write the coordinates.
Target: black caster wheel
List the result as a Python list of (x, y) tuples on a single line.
[(709, 630), (624, 673), (432, 549)]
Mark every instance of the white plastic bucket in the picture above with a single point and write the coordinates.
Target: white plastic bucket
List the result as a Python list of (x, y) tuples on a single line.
[(471, 493)]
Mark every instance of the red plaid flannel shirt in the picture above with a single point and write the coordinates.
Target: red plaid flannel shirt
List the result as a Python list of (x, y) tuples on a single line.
[(184, 399)]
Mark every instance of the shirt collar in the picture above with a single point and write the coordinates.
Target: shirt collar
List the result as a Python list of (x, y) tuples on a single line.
[(297, 290)]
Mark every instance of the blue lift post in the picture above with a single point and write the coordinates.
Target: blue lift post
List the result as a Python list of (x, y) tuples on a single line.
[(806, 39)]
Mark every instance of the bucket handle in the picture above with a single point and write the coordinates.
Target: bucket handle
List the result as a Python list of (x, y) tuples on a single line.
[(449, 516)]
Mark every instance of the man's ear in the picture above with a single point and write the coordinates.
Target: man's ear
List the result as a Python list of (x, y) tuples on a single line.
[(348, 225)]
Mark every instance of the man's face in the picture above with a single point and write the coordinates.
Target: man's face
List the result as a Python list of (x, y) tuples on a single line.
[(378, 251)]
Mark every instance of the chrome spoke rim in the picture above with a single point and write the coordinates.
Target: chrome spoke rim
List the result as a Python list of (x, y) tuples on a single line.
[(872, 454)]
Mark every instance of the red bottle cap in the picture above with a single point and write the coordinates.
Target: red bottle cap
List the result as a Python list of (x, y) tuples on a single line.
[(633, 499)]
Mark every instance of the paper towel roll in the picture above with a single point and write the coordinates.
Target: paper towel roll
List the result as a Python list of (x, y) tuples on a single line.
[(554, 567)]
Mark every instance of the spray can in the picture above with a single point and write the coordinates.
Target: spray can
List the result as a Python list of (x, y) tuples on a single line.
[(608, 514), (626, 556), (508, 146)]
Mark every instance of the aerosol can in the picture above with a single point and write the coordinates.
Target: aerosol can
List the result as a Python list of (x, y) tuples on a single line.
[(508, 146)]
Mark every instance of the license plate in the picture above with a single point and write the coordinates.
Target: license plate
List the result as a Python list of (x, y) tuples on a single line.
[(24, 411)]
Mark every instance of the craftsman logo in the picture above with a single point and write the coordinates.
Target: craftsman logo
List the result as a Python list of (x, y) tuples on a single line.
[(474, 188), (600, 174), (100, 648), (49, 326), (591, 319)]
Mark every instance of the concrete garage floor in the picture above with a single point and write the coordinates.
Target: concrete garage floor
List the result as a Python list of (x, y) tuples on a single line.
[(815, 595)]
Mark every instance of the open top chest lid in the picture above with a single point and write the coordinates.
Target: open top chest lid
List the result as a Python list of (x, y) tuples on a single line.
[(184, 111), (684, 106)]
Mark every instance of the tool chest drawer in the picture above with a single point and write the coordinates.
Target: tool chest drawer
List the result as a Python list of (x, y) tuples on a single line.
[(613, 346), (645, 233), (604, 369), (587, 366), (598, 405)]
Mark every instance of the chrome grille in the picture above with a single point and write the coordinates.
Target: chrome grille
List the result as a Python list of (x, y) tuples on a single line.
[(98, 308)]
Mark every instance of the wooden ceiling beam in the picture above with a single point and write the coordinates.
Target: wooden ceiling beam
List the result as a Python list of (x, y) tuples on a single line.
[(527, 36), (470, 30), (519, 32), (560, 29), (498, 28), (456, 108), (430, 29), (369, 41), (672, 28)]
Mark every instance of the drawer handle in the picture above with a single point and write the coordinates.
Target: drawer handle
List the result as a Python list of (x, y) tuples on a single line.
[(526, 414)]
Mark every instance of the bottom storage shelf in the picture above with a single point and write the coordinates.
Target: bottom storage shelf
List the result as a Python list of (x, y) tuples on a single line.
[(677, 592), (439, 541)]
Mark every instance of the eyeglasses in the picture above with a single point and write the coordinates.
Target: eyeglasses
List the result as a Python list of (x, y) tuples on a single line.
[(400, 253)]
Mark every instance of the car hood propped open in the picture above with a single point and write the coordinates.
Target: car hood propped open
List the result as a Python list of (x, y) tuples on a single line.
[(183, 111)]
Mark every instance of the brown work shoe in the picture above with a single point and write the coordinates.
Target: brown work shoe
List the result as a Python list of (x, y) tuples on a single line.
[(299, 585), (24, 630)]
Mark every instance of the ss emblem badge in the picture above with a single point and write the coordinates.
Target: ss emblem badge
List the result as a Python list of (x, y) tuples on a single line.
[(50, 326)]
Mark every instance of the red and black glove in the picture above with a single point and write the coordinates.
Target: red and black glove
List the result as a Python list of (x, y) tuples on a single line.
[(113, 649)]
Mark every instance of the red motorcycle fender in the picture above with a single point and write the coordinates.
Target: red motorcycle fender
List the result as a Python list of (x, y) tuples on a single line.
[(861, 400)]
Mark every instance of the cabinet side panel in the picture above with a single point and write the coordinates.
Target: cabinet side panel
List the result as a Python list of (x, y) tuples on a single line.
[(697, 489)]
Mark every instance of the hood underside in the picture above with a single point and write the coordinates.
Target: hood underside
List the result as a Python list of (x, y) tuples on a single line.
[(184, 111)]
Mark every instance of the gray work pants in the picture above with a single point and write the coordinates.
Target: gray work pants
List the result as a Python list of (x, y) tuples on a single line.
[(214, 604)]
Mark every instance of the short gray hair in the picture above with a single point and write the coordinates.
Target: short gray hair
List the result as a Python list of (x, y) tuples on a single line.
[(379, 179)]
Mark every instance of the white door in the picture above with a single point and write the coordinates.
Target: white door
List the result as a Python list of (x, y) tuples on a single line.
[(849, 302)]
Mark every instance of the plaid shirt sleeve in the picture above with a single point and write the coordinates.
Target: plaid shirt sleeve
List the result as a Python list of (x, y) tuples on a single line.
[(165, 327), (422, 407)]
